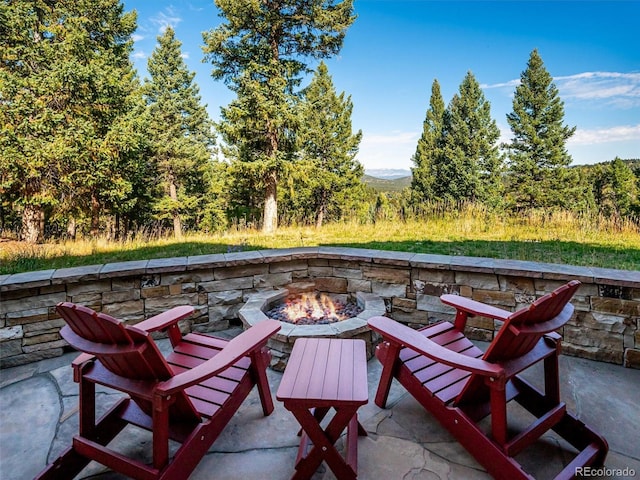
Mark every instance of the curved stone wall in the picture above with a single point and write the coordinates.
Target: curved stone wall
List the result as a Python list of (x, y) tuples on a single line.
[(604, 327)]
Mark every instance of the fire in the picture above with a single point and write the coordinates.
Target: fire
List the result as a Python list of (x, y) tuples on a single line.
[(312, 306)]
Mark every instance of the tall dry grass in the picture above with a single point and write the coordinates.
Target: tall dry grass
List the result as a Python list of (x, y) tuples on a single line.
[(472, 230)]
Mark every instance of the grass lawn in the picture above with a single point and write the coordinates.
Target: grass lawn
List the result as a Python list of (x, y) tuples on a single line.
[(563, 238)]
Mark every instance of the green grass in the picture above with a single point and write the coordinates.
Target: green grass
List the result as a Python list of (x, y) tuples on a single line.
[(562, 238)]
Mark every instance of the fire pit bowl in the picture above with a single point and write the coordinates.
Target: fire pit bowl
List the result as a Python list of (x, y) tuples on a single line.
[(368, 305)]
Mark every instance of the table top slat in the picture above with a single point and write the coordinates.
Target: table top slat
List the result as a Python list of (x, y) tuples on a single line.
[(346, 379), (318, 372)]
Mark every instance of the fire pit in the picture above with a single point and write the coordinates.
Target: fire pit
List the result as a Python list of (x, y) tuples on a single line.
[(313, 308), (312, 314)]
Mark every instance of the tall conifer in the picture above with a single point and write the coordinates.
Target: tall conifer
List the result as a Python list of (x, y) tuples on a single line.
[(428, 145), (67, 89), (181, 136), (467, 165), (260, 52), (538, 159), (327, 141)]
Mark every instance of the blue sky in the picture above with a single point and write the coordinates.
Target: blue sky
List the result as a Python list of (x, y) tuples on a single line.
[(395, 49)]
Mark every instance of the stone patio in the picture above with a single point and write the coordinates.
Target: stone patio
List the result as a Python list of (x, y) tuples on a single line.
[(38, 416)]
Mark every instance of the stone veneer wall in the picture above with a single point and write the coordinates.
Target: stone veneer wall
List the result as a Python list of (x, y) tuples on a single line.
[(605, 326)]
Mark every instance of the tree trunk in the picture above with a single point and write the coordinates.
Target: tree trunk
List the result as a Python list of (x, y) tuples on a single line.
[(72, 228), (322, 208), (270, 215), (32, 223), (177, 223), (95, 216)]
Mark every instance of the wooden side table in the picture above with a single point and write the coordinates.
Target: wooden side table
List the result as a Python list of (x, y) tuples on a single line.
[(322, 374)]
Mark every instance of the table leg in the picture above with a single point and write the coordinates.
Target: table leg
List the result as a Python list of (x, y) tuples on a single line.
[(323, 443)]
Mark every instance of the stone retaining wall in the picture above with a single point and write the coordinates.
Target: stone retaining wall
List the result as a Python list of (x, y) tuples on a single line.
[(604, 327)]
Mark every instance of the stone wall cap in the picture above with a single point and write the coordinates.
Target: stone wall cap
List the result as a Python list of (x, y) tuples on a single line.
[(472, 264), (123, 269), (610, 276), (346, 253), (76, 274), (431, 260), (559, 271), (211, 260), (392, 257), (162, 265), (273, 255), (303, 253), (38, 278), (518, 267), (243, 258)]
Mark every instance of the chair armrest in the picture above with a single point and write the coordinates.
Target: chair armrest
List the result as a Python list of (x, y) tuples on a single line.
[(248, 341), (472, 307), (407, 337), (164, 320)]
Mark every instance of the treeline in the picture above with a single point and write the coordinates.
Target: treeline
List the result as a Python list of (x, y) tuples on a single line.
[(88, 148)]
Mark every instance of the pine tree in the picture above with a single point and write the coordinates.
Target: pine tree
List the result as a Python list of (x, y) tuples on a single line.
[(616, 189), (66, 87), (538, 159), (427, 149), (468, 163), (181, 135), (326, 141), (260, 52)]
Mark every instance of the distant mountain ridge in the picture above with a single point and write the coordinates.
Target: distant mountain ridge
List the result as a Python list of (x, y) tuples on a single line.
[(388, 173), (387, 185)]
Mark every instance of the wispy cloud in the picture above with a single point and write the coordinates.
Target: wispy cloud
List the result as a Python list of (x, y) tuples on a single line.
[(622, 133), (139, 55), (167, 18), (393, 138), (622, 89), (392, 150), (137, 37), (614, 88)]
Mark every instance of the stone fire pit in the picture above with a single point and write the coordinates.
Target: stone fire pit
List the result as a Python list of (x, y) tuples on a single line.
[(282, 342)]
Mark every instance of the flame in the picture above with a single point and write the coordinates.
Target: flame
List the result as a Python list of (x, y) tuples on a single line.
[(310, 306)]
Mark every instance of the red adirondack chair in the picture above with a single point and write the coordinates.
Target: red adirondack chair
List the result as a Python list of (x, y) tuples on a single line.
[(460, 385), (189, 397)]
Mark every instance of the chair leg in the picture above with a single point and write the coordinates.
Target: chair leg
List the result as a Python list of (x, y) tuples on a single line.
[(552, 379), (388, 354), (160, 432), (259, 363), (498, 401)]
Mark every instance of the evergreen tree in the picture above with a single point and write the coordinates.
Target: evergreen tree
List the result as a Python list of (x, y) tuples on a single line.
[(467, 165), (326, 141), (538, 159), (181, 135), (427, 149), (260, 52), (66, 87), (617, 190)]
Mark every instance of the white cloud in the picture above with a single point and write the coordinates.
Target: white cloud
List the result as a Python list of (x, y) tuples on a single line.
[(166, 18), (137, 37), (615, 88), (621, 133), (139, 55), (621, 89), (510, 84), (392, 150)]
